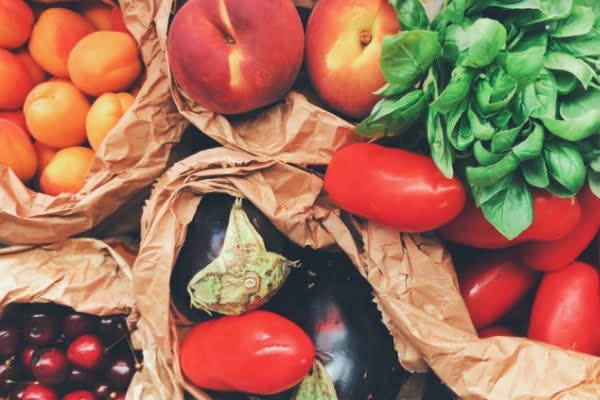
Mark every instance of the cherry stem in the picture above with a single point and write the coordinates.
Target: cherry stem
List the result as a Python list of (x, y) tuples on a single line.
[(119, 340), (11, 382), (138, 365)]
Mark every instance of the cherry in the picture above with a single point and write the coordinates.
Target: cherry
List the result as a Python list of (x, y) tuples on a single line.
[(112, 328), (117, 396), (102, 391), (120, 372), (17, 393), (8, 372), (86, 352), (80, 378), (39, 392), (9, 339), (50, 366), (79, 395), (26, 357), (77, 324), (41, 328)]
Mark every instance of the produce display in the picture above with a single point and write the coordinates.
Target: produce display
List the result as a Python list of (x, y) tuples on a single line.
[(69, 75), (50, 352)]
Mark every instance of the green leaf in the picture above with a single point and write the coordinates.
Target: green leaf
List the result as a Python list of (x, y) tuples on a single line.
[(594, 181), (532, 146), (525, 60), (574, 130), (565, 82), (524, 104), (504, 140), (487, 38), (565, 168), (535, 172), (546, 95), (484, 156), (316, 385), (490, 174), (567, 63), (455, 11), (581, 46), (454, 116), (441, 151), (581, 105), (579, 22), (406, 56), (494, 93), (549, 10), (456, 90), (411, 14), (482, 129), (510, 210)]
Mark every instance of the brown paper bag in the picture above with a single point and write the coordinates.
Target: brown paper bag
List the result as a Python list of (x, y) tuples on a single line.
[(132, 156), (90, 277)]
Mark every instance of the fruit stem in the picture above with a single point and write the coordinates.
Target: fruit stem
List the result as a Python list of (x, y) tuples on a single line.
[(229, 39), (116, 342), (138, 364), (365, 38)]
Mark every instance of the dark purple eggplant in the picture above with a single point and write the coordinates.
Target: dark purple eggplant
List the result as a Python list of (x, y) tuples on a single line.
[(333, 303), (204, 242)]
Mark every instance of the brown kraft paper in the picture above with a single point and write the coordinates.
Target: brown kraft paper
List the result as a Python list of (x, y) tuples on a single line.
[(91, 277), (413, 280), (131, 157)]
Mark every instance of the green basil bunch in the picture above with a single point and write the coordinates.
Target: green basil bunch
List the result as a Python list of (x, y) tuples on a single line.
[(509, 93)]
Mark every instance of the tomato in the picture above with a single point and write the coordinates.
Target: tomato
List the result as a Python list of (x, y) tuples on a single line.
[(259, 353), (554, 217), (497, 330), (555, 254), (394, 187), (566, 309), (492, 283)]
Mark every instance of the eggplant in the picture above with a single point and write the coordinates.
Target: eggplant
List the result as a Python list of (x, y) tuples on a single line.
[(333, 303), (205, 242)]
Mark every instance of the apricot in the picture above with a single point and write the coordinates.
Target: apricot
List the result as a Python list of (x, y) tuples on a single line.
[(105, 62), (67, 171), (15, 81), (117, 21), (54, 35), (38, 75), (17, 117), (16, 21), (55, 113), (104, 115), (44, 154), (17, 152), (99, 14)]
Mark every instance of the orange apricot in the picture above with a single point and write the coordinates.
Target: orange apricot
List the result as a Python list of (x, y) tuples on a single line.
[(44, 154), (118, 23), (17, 152), (17, 117), (38, 75), (54, 35), (67, 171), (99, 14), (104, 115), (16, 21), (55, 113), (104, 62), (15, 82)]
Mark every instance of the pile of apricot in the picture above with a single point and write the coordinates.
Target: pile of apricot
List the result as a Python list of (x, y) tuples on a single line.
[(67, 76)]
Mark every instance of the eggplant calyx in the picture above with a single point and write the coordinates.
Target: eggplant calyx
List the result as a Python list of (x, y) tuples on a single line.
[(244, 276), (316, 385)]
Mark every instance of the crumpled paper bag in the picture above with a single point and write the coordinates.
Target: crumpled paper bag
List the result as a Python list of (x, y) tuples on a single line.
[(91, 277), (132, 156)]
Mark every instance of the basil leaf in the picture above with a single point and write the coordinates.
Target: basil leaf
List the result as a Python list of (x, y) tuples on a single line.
[(546, 95), (581, 46), (456, 90), (550, 10), (502, 118), (580, 22), (482, 129), (580, 106), (574, 130), (510, 211), (441, 153), (455, 11), (532, 146), (411, 14), (565, 62), (526, 59), (406, 56), (565, 82), (455, 115), (524, 104), (484, 156), (481, 194), (594, 181), (565, 168), (504, 140), (494, 93), (487, 38), (490, 174), (535, 172)]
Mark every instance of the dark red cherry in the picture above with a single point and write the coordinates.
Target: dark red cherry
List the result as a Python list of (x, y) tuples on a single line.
[(112, 328), (39, 392), (86, 352), (8, 372), (9, 339), (50, 366), (17, 392), (40, 328), (77, 324), (102, 391), (80, 378), (79, 395), (119, 372)]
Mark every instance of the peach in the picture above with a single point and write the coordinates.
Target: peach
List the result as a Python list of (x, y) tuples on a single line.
[(54, 35), (17, 117), (44, 154), (67, 171), (105, 62), (343, 47), (235, 56), (38, 75), (16, 21), (99, 14), (17, 151), (104, 115), (15, 81), (55, 113)]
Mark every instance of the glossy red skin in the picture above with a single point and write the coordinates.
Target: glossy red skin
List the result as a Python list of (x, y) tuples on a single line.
[(86, 352), (259, 353), (497, 330), (555, 254), (394, 187), (79, 395), (492, 284), (566, 309), (553, 218), (39, 392)]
